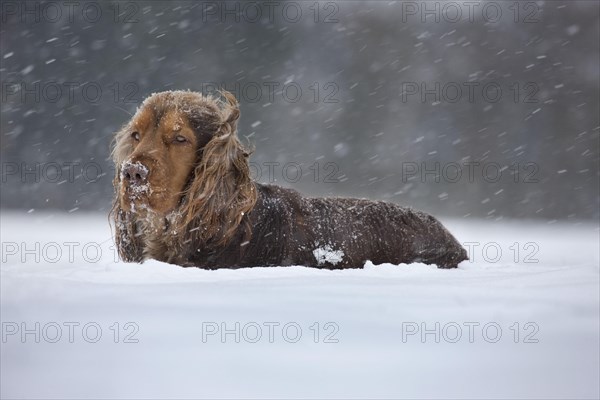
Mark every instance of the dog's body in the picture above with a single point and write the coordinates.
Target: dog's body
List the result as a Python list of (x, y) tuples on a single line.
[(222, 219)]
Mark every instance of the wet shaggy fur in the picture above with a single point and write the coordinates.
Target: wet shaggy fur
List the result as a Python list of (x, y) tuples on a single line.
[(184, 196)]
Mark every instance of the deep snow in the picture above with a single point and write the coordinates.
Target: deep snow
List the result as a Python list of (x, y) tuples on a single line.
[(365, 319)]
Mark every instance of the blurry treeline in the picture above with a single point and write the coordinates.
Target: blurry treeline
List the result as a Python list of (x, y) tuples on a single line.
[(344, 93)]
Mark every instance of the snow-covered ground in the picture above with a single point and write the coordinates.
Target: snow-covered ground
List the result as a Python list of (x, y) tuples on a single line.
[(528, 321)]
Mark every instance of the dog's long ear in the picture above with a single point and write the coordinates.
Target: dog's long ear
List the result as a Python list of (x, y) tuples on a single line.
[(128, 243), (221, 192)]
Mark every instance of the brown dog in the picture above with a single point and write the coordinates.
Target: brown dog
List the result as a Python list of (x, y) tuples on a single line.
[(184, 195)]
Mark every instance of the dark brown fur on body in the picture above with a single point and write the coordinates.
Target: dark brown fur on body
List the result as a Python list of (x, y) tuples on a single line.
[(184, 195)]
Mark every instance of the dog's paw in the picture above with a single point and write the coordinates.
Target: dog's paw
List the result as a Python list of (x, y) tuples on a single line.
[(447, 266)]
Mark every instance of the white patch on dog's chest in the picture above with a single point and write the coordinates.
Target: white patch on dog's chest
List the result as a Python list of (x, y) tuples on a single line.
[(326, 254)]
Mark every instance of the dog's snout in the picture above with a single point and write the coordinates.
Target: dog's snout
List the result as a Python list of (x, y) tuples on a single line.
[(135, 173)]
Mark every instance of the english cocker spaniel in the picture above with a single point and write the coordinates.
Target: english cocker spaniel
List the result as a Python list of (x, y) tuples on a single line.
[(184, 195)]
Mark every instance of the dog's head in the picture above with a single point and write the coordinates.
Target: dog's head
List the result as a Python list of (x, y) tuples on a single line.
[(180, 156)]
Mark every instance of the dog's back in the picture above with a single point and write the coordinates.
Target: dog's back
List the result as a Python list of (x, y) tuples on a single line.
[(289, 229)]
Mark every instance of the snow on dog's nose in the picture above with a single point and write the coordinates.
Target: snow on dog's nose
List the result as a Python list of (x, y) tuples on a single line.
[(135, 174)]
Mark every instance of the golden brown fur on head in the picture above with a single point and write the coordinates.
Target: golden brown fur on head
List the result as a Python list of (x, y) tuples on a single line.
[(181, 174)]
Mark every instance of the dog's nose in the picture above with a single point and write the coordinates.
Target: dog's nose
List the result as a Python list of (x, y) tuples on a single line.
[(135, 173)]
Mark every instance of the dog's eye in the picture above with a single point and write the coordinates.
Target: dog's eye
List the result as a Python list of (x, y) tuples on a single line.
[(135, 136), (180, 139)]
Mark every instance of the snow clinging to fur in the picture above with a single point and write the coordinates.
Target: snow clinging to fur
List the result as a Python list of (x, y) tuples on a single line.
[(326, 254)]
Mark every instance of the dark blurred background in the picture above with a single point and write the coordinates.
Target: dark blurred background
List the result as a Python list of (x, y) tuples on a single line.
[(485, 109)]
